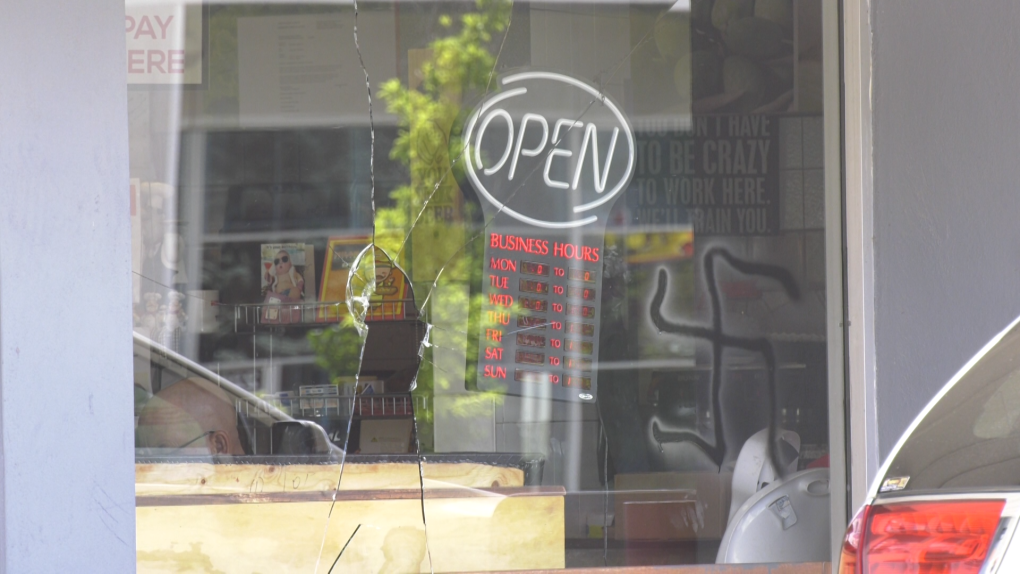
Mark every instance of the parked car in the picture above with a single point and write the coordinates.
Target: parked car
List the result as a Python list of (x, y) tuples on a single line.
[(947, 499), (184, 410)]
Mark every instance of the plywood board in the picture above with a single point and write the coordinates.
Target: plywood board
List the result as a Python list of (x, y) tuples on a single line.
[(464, 534)]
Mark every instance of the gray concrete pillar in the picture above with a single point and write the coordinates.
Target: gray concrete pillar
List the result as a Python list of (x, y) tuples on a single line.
[(66, 421)]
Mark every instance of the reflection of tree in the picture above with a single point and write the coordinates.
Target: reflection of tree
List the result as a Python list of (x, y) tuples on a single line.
[(337, 349), (456, 67), (427, 228)]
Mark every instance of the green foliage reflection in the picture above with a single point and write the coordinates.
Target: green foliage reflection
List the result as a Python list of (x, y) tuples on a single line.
[(429, 230)]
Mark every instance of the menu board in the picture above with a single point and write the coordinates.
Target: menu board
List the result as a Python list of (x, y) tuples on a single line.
[(548, 156)]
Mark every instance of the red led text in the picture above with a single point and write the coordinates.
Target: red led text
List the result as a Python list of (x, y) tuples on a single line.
[(515, 243), (495, 372), (502, 264), (501, 299)]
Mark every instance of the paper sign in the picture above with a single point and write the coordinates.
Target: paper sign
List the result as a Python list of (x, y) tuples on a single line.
[(164, 43)]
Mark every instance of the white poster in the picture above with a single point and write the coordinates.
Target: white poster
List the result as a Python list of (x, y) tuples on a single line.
[(304, 69)]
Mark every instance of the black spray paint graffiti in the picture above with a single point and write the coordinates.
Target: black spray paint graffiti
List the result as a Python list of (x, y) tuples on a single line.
[(721, 340)]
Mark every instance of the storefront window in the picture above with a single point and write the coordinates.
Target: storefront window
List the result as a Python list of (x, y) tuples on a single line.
[(461, 286)]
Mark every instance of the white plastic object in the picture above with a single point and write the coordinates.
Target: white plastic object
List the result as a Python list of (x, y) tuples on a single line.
[(787, 521), (753, 470)]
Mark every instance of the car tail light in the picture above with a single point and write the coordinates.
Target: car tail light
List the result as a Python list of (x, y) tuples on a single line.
[(920, 538), (849, 557)]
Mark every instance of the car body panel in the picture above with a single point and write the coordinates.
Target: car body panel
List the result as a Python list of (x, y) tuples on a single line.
[(1004, 553), (873, 491)]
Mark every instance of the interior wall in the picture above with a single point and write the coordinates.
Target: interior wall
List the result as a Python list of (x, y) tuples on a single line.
[(946, 149)]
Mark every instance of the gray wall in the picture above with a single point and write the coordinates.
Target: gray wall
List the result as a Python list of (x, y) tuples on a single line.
[(66, 420), (946, 105)]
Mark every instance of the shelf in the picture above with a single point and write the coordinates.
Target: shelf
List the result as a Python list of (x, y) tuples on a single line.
[(342, 406), (317, 314)]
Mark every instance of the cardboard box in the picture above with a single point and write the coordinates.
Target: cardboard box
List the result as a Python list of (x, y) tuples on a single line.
[(662, 506), (315, 397), (385, 436)]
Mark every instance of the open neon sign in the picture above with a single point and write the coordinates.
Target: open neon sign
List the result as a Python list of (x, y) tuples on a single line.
[(577, 124)]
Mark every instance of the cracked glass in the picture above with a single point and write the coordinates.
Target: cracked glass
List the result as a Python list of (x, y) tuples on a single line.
[(444, 286)]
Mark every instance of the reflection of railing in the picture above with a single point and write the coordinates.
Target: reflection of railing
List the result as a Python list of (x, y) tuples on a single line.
[(342, 406), (321, 313)]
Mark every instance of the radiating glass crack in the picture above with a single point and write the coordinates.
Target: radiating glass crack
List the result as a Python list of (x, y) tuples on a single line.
[(371, 118), (454, 160), (419, 213), (346, 544), (358, 305), (421, 492), (365, 294)]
